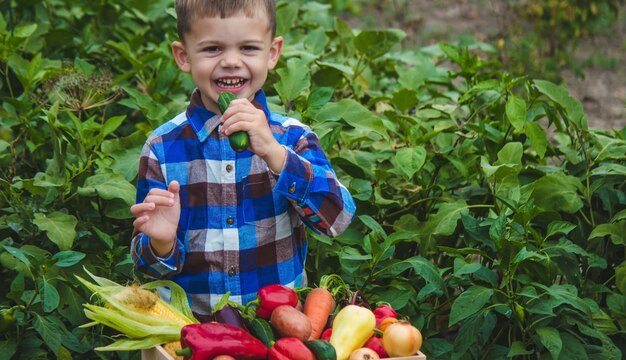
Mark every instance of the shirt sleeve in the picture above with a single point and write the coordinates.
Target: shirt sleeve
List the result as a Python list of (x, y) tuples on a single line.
[(150, 176), (309, 182)]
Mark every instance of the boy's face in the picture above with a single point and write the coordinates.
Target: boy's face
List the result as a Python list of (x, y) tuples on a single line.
[(231, 54)]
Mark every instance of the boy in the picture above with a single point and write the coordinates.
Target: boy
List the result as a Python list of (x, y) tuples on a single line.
[(214, 220)]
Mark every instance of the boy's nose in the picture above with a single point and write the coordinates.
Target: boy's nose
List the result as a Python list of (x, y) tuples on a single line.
[(231, 59)]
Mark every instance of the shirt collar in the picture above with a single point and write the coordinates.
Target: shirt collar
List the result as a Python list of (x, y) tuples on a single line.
[(204, 121)]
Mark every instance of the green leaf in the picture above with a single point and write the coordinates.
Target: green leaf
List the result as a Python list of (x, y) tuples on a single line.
[(106, 238), (619, 216), (410, 160), (608, 169), (343, 69), (444, 222), (294, 79), (572, 348), (361, 189), (109, 186), (112, 124), (285, 13), (566, 294), (7, 349), (538, 138), (68, 258), (524, 254), (516, 112), (319, 97), (551, 339), (24, 31), (140, 101), (71, 306), (316, 41), (616, 231), (353, 113), (509, 161), (405, 99), (469, 303), (59, 227), (461, 267), (373, 225), (412, 77), (558, 192), (561, 96), (518, 349), (375, 43), (19, 254), (420, 265), (48, 331), (511, 154), (559, 227), (49, 295)]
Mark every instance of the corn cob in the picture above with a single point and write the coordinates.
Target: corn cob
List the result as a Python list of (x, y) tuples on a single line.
[(138, 313), (148, 302)]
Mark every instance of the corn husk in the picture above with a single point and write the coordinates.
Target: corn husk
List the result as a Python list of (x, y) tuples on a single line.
[(131, 310)]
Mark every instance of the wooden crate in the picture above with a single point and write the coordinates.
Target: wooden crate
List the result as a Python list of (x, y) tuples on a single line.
[(158, 353)]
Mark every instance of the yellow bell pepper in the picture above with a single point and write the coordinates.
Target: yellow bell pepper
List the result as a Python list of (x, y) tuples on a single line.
[(352, 327)]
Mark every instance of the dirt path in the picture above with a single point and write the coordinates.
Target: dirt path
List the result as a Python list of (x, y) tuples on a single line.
[(602, 90)]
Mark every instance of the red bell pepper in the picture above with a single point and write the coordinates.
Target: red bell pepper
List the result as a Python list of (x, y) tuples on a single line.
[(271, 296), (208, 340), (326, 334), (290, 348), (376, 343), (382, 312)]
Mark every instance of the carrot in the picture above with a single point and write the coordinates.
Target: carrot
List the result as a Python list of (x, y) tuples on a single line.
[(320, 303)]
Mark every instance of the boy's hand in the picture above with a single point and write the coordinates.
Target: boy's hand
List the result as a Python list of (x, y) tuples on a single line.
[(157, 217), (241, 115)]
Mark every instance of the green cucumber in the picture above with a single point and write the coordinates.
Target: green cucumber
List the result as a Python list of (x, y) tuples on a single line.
[(322, 349), (238, 141), (262, 330)]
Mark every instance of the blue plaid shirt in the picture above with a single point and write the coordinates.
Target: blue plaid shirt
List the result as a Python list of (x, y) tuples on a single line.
[(241, 225)]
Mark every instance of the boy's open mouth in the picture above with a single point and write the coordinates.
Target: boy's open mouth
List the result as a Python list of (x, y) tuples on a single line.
[(230, 83)]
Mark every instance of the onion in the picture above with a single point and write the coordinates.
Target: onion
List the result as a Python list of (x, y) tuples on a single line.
[(402, 339), (364, 354)]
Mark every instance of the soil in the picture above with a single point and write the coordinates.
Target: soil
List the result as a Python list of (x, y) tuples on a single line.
[(600, 85)]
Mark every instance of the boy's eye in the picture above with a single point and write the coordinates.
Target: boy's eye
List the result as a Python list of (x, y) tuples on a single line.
[(211, 49), (249, 48)]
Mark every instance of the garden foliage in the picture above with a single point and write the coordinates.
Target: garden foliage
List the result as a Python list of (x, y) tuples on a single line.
[(489, 213)]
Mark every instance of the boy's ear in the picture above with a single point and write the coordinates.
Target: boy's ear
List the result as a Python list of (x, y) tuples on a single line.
[(180, 55), (275, 51)]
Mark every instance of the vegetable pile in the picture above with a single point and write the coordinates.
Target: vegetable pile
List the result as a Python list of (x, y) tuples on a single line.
[(327, 322)]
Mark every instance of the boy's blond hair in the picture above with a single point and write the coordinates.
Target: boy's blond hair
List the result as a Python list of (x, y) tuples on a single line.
[(189, 10)]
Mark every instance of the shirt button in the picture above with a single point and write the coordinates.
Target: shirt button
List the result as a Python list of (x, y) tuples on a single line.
[(232, 271), (292, 188), (229, 168), (230, 220)]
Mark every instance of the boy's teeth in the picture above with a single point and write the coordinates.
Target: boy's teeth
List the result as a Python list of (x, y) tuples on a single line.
[(231, 82)]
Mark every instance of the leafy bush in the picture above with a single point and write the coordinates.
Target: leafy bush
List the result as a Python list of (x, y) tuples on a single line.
[(489, 214), (542, 36)]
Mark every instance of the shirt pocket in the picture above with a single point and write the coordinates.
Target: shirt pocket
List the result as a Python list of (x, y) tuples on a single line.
[(261, 207)]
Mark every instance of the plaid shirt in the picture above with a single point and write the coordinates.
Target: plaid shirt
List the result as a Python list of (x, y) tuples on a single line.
[(241, 225)]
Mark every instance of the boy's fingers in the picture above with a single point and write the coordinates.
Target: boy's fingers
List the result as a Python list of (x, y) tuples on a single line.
[(174, 187), (159, 200), (160, 192), (137, 209), (140, 221)]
